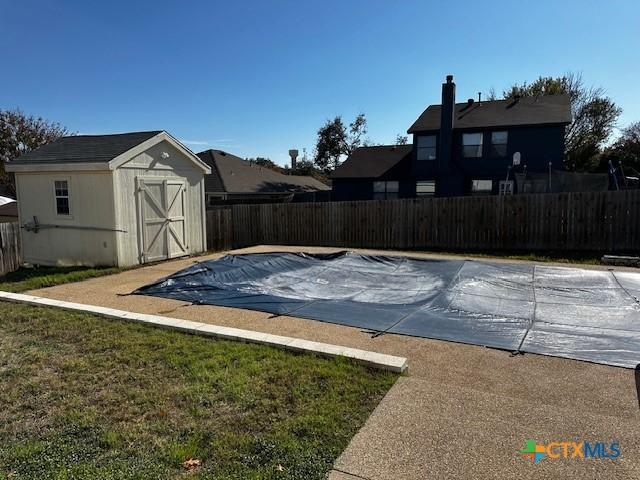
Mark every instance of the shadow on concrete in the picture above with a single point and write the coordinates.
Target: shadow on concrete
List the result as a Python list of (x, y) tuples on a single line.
[(638, 383)]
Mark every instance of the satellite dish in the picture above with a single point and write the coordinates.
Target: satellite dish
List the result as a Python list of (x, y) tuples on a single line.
[(516, 158)]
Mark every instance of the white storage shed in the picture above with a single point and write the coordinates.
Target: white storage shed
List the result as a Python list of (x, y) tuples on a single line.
[(110, 200)]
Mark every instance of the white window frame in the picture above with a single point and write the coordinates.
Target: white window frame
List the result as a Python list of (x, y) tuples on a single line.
[(476, 187), (67, 180), (505, 187), (428, 188), (493, 144), (422, 149), (388, 190), (478, 146)]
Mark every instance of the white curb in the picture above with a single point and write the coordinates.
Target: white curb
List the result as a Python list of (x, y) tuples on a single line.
[(365, 357)]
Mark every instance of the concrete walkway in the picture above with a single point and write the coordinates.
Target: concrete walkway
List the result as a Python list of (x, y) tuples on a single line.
[(463, 411)]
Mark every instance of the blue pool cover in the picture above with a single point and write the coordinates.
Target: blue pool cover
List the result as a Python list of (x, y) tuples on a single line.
[(583, 314)]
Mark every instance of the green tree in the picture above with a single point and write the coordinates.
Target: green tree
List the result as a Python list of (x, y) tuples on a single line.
[(266, 163), (625, 150), (594, 116), (335, 140), (20, 134)]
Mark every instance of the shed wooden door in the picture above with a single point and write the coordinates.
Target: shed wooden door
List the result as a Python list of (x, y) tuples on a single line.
[(162, 214)]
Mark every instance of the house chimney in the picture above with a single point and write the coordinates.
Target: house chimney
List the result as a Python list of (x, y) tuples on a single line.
[(446, 122), (294, 158)]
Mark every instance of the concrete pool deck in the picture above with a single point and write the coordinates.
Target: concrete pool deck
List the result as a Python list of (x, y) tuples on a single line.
[(462, 411)]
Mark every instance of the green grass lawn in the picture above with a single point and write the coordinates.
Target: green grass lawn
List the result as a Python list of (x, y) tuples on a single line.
[(25, 279), (85, 397)]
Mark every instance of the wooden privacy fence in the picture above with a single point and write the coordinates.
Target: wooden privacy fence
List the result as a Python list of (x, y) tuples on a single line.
[(219, 229), (10, 253), (592, 221)]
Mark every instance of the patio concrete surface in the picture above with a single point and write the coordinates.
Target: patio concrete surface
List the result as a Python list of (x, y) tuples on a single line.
[(462, 411)]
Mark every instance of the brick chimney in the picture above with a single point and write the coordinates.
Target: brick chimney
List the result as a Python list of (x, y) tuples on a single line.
[(446, 123)]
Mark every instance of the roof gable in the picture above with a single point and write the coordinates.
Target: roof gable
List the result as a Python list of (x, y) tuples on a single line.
[(232, 174), (149, 143), (541, 110)]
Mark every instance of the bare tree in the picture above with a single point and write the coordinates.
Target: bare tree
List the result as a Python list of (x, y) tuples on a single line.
[(401, 139)]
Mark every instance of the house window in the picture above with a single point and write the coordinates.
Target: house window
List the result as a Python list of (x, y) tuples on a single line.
[(481, 187), (426, 188), (505, 187), (215, 199), (472, 145), (62, 197), (426, 147), (499, 144), (385, 190)]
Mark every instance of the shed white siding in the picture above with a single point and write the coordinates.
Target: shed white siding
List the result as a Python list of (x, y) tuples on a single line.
[(85, 237), (151, 164), (104, 226)]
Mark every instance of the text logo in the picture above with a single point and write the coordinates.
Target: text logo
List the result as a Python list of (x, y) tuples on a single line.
[(572, 450)]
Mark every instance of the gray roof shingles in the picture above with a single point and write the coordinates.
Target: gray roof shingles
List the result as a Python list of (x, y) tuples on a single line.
[(9, 209), (372, 162), (85, 148), (545, 109), (232, 174)]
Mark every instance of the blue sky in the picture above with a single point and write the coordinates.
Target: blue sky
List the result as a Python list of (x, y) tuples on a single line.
[(260, 77)]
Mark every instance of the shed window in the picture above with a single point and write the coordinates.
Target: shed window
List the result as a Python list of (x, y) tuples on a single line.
[(62, 197), (385, 190), (472, 145), (499, 144), (426, 147), (426, 188), (481, 187)]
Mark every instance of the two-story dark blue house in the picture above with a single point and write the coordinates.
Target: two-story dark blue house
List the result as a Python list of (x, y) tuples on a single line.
[(470, 148)]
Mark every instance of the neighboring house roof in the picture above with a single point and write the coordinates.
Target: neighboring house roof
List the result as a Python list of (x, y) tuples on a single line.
[(9, 209), (373, 162), (545, 109), (85, 148), (232, 174)]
